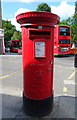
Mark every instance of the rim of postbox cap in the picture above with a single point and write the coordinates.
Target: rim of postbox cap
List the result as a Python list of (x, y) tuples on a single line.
[(38, 17)]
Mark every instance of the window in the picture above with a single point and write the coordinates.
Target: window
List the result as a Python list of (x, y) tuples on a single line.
[(65, 31), (64, 41), (15, 43)]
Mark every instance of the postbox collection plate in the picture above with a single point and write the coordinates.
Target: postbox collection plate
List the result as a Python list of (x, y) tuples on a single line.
[(39, 48)]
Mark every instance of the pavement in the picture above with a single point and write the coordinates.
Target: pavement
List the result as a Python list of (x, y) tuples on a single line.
[(11, 103), (64, 107)]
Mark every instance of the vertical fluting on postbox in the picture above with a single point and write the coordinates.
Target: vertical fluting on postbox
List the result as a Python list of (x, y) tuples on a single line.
[(38, 60)]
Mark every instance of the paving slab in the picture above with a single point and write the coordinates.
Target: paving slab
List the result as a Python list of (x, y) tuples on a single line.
[(11, 105)]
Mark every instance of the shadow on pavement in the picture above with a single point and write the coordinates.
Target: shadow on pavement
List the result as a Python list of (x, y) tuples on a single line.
[(61, 56), (64, 107)]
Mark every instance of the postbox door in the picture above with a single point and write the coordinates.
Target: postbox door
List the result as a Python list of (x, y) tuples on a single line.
[(42, 70), (38, 64)]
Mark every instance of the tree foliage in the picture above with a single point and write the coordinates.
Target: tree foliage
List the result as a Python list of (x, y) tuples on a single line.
[(16, 35), (43, 7), (10, 31)]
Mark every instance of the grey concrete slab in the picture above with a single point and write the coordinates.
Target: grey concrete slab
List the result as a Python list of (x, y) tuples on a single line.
[(76, 107), (14, 80), (11, 106), (67, 107), (10, 64), (0, 106)]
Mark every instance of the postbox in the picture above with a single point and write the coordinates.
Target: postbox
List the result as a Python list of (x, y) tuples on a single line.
[(38, 60)]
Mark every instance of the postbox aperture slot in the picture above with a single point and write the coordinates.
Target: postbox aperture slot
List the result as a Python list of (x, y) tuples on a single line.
[(33, 32), (39, 49), (39, 33)]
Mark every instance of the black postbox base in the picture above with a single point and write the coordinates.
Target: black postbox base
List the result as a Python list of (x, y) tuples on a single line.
[(37, 108)]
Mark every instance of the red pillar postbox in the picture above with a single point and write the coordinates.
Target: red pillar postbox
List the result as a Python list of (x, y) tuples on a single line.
[(38, 59)]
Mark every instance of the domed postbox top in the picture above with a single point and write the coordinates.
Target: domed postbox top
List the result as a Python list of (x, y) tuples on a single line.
[(38, 17)]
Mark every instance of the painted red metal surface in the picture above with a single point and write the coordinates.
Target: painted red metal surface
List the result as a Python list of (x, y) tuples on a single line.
[(38, 17), (37, 66)]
